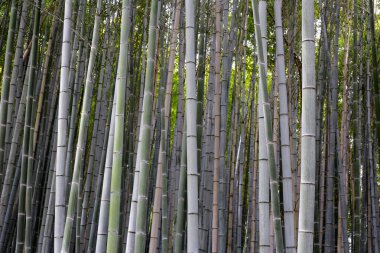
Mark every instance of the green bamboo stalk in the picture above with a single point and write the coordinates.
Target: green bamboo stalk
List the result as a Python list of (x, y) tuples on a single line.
[(101, 239), (176, 147), (145, 132), (130, 244), (114, 209), (5, 84), (24, 227)]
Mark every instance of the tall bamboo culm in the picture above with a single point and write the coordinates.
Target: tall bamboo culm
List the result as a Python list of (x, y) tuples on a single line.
[(83, 124), (60, 177), (145, 132), (308, 131), (5, 84), (24, 216), (263, 94), (191, 123), (115, 192), (284, 133), (217, 116)]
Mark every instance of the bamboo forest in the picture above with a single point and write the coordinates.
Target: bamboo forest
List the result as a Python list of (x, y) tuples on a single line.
[(226, 126)]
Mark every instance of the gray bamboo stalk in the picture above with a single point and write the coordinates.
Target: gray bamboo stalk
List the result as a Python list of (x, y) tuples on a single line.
[(275, 200), (60, 192), (228, 42), (217, 119), (308, 131), (263, 200), (105, 198), (205, 197), (176, 147), (10, 207), (130, 244), (156, 211), (114, 211), (180, 215), (162, 164), (329, 235), (46, 241), (101, 239), (191, 108), (157, 162), (96, 149), (251, 165), (342, 199), (233, 149), (75, 75), (48, 190), (334, 124), (319, 145), (92, 228), (14, 150), (96, 138), (166, 127), (284, 129), (5, 84), (365, 230), (82, 130)]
